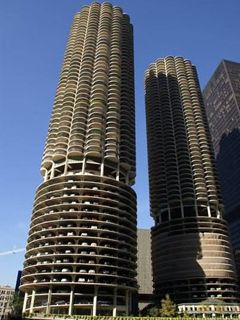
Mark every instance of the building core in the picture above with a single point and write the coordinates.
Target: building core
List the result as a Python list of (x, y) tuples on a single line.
[(144, 268)]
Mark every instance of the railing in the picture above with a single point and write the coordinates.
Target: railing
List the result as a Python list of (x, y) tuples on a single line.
[(86, 317)]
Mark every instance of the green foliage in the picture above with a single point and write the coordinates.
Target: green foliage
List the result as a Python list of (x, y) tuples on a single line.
[(168, 308), (17, 305), (185, 315), (154, 312)]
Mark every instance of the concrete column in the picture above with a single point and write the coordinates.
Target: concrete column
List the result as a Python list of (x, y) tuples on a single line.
[(45, 175), (66, 166), (83, 165), (160, 218), (209, 211), (102, 169), (49, 300), (126, 303), (52, 171), (118, 173), (127, 177), (115, 303), (32, 301), (94, 311), (182, 210), (130, 302), (169, 214), (25, 302), (70, 310)]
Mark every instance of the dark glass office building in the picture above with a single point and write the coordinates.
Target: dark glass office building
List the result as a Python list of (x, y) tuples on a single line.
[(222, 101)]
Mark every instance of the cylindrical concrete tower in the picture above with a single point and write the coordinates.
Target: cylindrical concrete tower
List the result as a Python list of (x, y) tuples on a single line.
[(81, 251), (192, 257)]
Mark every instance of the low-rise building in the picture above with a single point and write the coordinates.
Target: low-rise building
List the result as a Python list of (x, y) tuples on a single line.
[(210, 308), (144, 268), (6, 295)]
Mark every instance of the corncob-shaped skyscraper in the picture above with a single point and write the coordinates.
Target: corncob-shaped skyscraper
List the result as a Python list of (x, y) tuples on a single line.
[(192, 257), (81, 251)]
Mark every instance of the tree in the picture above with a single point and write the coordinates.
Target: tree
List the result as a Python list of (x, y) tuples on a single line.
[(150, 310), (17, 305), (153, 312), (168, 308)]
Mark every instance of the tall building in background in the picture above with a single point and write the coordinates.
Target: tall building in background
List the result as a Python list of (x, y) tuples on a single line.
[(81, 251), (192, 257), (222, 100)]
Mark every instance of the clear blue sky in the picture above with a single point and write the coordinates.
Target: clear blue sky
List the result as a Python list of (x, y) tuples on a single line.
[(33, 36)]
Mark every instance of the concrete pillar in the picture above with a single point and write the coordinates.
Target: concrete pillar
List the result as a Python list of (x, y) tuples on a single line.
[(94, 311), (52, 171), (102, 169), (66, 167), (45, 175), (209, 211), (70, 310), (118, 173), (159, 218), (182, 211), (49, 300), (130, 302), (32, 301), (115, 303), (169, 214), (126, 303), (83, 165), (25, 302), (127, 177)]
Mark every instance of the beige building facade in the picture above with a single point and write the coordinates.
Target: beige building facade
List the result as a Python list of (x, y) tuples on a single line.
[(6, 296), (82, 246), (210, 309)]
